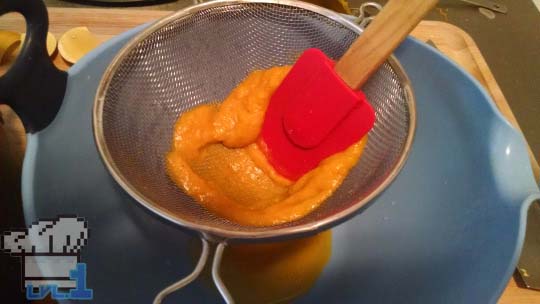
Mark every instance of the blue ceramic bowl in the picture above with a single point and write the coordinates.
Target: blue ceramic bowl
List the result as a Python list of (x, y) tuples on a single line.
[(448, 230)]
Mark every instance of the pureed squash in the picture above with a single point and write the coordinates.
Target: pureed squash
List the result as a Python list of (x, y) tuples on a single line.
[(216, 158)]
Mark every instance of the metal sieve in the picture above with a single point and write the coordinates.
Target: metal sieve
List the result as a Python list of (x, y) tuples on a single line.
[(198, 55)]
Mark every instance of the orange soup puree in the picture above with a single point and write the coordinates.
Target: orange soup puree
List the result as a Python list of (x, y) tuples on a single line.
[(215, 159)]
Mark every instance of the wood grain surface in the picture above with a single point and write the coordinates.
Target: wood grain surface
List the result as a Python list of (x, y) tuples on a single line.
[(106, 23)]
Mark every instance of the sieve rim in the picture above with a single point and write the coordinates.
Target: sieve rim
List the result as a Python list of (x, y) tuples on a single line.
[(213, 232)]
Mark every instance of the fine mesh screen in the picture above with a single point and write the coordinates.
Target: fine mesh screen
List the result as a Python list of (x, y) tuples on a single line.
[(199, 58)]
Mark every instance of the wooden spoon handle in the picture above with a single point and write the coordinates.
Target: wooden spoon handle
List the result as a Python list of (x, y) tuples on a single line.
[(395, 21)]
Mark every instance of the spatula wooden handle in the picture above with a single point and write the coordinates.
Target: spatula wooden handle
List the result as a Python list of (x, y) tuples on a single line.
[(395, 21)]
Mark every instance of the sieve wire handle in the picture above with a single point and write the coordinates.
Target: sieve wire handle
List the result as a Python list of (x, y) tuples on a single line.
[(218, 254), (364, 18), (33, 87)]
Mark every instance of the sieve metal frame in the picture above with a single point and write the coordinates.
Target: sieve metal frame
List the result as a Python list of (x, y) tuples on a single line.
[(220, 234)]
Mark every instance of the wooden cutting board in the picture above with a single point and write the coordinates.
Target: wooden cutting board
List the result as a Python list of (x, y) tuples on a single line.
[(106, 23)]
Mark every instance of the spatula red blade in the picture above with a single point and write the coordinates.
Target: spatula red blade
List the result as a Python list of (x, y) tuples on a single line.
[(312, 115)]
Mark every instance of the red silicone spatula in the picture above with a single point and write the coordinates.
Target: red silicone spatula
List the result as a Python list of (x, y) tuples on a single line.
[(317, 110)]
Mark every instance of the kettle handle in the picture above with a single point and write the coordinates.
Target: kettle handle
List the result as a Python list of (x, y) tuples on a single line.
[(33, 87)]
